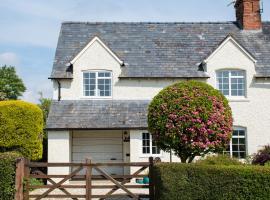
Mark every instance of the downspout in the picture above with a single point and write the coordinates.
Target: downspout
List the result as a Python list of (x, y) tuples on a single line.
[(59, 89)]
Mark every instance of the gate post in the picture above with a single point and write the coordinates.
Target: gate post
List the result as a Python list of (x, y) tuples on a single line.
[(88, 180), (26, 180), (20, 163), (151, 179)]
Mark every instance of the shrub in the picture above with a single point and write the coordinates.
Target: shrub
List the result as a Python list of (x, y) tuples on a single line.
[(219, 160), (7, 175), (21, 126), (211, 182), (262, 157), (191, 118)]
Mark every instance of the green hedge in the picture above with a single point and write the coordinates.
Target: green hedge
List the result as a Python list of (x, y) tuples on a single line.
[(21, 127), (211, 182), (7, 175)]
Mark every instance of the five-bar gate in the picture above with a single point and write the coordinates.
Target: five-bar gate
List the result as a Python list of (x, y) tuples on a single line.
[(27, 170)]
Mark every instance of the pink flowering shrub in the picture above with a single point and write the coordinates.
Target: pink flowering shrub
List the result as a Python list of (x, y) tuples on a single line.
[(191, 118)]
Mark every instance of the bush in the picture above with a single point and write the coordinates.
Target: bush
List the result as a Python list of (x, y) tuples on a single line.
[(211, 182), (21, 126), (262, 157), (7, 175), (219, 160), (191, 118)]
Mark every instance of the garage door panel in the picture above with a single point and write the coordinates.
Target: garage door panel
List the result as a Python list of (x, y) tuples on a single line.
[(97, 149), (101, 157), (97, 135), (96, 141)]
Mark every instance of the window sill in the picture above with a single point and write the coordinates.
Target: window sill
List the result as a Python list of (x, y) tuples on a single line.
[(151, 155), (85, 97), (238, 99)]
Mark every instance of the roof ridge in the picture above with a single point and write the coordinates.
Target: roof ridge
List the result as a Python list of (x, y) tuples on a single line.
[(149, 22)]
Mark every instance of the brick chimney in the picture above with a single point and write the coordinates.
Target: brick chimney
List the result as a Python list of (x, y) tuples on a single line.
[(248, 14)]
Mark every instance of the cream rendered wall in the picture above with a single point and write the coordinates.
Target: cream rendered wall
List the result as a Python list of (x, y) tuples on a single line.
[(96, 57), (251, 112), (136, 154), (59, 151)]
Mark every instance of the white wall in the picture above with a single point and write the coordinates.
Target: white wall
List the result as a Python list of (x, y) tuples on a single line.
[(59, 151), (253, 111)]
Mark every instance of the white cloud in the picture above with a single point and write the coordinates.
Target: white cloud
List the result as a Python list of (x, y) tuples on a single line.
[(9, 58), (32, 92)]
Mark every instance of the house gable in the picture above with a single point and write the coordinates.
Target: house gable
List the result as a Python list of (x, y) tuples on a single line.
[(96, 39), (230, 40)]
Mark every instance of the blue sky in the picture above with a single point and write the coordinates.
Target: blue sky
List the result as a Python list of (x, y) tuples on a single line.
[(30, 28)]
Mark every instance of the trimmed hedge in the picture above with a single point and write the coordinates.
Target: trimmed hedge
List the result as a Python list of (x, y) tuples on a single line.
[(21, 126), (211, 182), (219, 160), (7, 175)]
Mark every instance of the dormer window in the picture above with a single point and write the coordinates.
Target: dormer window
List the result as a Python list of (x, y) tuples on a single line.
[(97, 84), (232, 83)]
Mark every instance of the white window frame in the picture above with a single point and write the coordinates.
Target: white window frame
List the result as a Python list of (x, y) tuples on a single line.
[(151, 145), (245, 136), (230, 86), (96, 84)]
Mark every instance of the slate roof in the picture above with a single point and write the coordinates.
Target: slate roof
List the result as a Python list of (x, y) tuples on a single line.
[(159, 49), (98, 114)]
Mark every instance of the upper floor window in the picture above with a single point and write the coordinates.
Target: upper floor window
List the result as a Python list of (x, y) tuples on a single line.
[(231, 82), (237, 146), (148, 145), (97, 84)]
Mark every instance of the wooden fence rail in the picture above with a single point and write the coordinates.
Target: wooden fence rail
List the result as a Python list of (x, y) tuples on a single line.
[(24, 172)]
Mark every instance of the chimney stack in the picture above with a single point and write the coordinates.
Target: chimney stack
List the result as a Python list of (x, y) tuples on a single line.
[(248, 14)]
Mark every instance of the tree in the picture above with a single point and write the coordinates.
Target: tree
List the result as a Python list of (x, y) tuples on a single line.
[(191, 118), (44, 105), (11, 86)]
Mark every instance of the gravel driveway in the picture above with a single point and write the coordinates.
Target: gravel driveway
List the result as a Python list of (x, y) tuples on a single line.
[(141, 191)]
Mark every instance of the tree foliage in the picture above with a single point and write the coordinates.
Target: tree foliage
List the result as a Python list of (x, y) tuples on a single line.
[(262, 157), (191, 118), (44, 105), (11, 86), (21, 126)]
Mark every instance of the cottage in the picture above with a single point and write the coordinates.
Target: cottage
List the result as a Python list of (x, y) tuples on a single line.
[(105, 74)]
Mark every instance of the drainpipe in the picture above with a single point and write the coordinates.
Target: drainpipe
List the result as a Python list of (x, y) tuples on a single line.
[(59, 89)]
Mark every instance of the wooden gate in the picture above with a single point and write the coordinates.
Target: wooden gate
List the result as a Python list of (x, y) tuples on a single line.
[(27, 170)]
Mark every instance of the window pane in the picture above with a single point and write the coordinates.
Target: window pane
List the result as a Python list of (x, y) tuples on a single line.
[(92, 81), (93, 75), (89, 83), (223, 82), (241, 132), (85, 75), (146, 143), (107, 93), (107, 74), (101, 81), (235, 148), (238, 144), (101, 74)]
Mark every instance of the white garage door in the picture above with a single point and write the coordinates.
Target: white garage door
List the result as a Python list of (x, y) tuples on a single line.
[(99, 146)]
